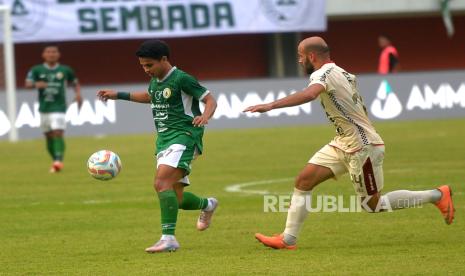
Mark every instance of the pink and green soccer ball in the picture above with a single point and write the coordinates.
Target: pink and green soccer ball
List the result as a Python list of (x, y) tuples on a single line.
[(104, 165)]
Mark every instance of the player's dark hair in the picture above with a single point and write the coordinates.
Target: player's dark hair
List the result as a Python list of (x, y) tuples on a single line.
[(155, 49)]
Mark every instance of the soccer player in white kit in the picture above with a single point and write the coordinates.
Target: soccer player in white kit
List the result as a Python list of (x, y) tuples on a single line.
[(357, 148)]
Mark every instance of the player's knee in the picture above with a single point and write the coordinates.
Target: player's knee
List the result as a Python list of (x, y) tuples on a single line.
[(58, 133), (161, 185), (304, 183)]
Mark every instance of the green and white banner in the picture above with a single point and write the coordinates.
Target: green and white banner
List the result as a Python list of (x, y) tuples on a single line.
[(59, 20)]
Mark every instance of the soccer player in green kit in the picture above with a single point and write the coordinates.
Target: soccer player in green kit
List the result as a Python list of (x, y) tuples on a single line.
[(51, 79), (174, 97)]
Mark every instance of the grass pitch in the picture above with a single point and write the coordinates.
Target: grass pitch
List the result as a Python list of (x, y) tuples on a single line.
[(69, 223)]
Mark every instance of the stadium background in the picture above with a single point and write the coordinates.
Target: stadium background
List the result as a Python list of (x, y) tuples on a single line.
[(419, 34), (71, 224), (230, 63)]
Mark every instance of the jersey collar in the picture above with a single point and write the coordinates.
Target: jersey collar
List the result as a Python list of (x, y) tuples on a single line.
[(51, 68), (168, 74)]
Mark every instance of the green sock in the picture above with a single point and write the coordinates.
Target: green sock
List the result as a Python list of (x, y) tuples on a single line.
[(50, 147), (169, 211), (59, 146), (192, 202)]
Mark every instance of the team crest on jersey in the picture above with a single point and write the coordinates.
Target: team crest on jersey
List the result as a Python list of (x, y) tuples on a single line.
[(28, 16), (59, 75), (286, 12), (166, 93)]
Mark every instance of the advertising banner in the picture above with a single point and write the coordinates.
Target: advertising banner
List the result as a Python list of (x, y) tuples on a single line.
[(60, 20), (406, 96)]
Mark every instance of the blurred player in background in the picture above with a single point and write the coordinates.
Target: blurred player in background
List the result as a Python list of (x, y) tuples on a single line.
[(51, 80), (174, 97), (389, 58), (356, 149)]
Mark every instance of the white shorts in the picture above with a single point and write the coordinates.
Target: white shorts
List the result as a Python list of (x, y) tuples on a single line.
[(52, 121), (176, 156), (364, 166)]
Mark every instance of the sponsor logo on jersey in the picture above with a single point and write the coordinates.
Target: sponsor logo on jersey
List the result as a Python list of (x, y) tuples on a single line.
[(285, 12), (160, 106), (161, 116), (28, 16), (166, 93), (59, 75), (386, 104), (51, 77), (158, 95), (162, 129)]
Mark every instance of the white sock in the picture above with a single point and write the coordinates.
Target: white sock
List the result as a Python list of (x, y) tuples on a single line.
[(296, 215), (407, 199), (167, 237), (209, 206)]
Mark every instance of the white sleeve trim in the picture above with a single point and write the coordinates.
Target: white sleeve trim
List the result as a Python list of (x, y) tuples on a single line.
[(317, 82), (204, 94)]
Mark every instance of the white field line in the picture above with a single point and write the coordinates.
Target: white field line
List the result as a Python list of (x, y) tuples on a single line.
[(239, 187)]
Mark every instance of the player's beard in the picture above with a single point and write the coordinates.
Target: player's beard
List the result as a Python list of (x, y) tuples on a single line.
[(308, 66)]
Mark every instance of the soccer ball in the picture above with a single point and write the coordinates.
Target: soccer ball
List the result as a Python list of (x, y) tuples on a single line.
[(104, 165)]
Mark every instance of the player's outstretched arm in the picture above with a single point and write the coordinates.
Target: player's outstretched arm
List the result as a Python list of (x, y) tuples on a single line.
[(37, 84), (138, 97), (29, 84), (308, 94)]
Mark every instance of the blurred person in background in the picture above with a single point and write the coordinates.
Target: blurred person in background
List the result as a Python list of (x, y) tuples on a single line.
[(389, 57), (51, 80)]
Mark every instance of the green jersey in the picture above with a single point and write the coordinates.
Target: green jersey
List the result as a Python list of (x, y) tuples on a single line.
[(175, 102), (52, 98)]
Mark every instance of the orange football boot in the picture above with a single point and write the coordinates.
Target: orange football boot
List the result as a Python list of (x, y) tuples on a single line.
[(57, 166), (445, 204), (276, 242)]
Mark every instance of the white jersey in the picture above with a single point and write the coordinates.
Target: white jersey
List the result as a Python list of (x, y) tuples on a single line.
[(345, 109)]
